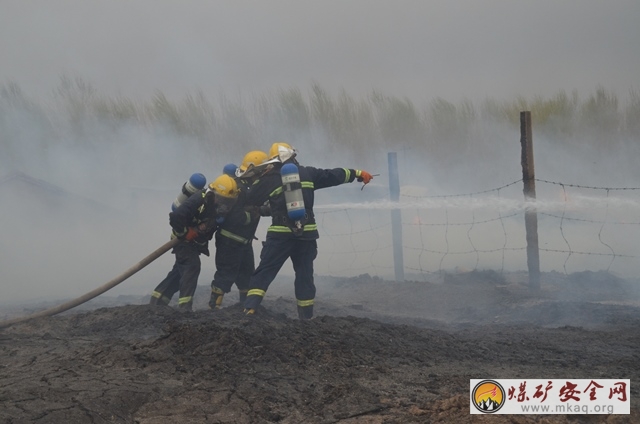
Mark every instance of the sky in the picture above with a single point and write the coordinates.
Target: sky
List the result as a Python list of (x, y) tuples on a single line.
[(419, 49)]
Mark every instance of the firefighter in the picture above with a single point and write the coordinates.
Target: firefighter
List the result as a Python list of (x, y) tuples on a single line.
[(194, 222), (234, 250), (286, 237)]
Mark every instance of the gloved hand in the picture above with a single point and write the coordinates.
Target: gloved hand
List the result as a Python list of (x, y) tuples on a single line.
[(363, 176), (192, 233), (265, 210)]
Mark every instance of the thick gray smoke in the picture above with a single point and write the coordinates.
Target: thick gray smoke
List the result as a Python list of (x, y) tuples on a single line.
[(90, 191)]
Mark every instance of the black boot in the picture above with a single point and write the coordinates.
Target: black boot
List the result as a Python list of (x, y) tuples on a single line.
[(305, 312), (185, 307), (215, 302), (158, 299), (251, 304)]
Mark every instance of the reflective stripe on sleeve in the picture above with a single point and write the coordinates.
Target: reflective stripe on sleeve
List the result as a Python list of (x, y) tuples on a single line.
[(347, 175)]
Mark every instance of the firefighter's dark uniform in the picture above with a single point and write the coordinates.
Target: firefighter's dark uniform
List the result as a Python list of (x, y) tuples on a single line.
[(183, 277), (234, 251), (284, 240)]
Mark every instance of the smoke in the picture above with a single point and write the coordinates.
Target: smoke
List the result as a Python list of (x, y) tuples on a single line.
[(90, 179)]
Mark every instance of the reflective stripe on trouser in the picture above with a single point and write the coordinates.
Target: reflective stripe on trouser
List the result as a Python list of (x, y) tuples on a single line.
[(183, 277), (273, 255)]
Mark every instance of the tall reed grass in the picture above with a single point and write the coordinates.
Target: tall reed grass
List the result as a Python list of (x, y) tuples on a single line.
[(77, 114)]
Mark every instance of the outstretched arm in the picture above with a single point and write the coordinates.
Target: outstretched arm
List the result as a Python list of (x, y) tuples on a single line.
[(323, 178)]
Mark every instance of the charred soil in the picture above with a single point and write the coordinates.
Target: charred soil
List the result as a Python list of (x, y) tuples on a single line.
[(377, 352)]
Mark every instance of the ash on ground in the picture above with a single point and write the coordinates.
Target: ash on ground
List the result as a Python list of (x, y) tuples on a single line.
[(377, 352)]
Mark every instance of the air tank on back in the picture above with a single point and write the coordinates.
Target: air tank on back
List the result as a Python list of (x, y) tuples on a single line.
[(292, 191), (196, 182)]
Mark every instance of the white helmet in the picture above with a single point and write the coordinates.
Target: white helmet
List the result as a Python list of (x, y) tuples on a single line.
[(281, 152)]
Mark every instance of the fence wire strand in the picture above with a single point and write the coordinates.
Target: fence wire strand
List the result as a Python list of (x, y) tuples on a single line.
[(438, 239)]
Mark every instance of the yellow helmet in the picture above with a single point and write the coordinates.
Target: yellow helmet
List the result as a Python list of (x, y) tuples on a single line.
[(225, 186), (255, 158)]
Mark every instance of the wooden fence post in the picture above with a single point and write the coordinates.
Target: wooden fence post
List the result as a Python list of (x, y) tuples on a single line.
[(530, 214)]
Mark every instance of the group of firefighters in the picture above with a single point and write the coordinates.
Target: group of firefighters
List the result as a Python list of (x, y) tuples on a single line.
[(265, 184)]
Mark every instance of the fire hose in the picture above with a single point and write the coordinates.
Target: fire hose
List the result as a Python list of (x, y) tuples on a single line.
[(98, 291)]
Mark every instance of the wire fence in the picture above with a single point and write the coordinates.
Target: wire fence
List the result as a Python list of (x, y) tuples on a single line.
[(580, 228)]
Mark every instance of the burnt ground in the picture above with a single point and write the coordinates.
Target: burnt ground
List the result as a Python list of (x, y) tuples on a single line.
[(377, 352)]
